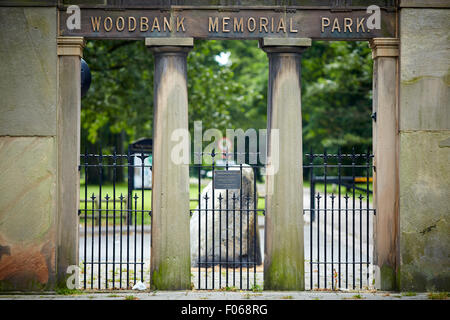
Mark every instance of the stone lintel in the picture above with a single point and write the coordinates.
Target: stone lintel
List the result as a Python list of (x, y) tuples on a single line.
[(384, 47), (70, 46)]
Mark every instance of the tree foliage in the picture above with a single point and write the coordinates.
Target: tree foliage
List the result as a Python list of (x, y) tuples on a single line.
[(337, 95), (336, 91)]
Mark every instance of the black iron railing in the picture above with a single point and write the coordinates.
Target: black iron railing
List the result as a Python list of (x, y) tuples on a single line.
[(114, 221), (340, 221)]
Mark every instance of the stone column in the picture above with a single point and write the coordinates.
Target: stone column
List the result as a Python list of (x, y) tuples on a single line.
[(386, 189), (284, 253), (170, 248), (70, 51)]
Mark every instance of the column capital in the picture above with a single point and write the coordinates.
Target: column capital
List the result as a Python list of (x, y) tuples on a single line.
[(170, 45), (70, 46), (384, 47), (284, 45)]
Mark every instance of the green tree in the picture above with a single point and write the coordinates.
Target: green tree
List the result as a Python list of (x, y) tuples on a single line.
[(120, 99), (337, 95), (336, 91)]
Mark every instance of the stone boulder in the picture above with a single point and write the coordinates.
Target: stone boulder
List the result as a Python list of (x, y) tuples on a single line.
[(214, 251)]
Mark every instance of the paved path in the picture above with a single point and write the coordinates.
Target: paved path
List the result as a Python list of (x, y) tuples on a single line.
[(220, 295)]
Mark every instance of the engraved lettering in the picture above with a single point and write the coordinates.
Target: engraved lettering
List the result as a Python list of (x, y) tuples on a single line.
[(225, 22), (155, 24), (239, 25), (291, 28), (120, 24), (167, 24), (359, 24), (263, 21), (348, 22), (108, 24), (144, 24), (281, 25), (95, 21), (180, 24), (336, 25), (213, 25), (325, 23), (251, 24), (131, 20)]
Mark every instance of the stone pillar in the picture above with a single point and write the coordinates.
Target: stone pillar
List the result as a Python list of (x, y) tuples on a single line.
[(424, 143), (28, 151), (284, 253), (70, 51), (386, 189), (170, 248)]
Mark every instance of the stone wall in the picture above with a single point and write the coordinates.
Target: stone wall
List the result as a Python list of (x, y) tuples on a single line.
[(424, 149), (28, 148)]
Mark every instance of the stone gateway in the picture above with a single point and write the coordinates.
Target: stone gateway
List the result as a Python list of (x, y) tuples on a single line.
[(40, 131)]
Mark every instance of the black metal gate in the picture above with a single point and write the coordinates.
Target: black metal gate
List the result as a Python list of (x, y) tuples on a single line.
[(339, 221), (227, 218), (225, 241), (114, 224)]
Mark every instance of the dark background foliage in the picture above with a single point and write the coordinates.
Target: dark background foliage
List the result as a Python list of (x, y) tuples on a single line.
[(336, 92)]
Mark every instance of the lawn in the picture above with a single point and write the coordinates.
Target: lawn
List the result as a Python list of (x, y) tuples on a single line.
[(333, 189), (122, 189)]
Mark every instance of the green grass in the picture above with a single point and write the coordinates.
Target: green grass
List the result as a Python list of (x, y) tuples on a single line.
[(409, 294), (438, 295), (320, 187), (256, 288), (232, 289), (66, 291), (122, 188)]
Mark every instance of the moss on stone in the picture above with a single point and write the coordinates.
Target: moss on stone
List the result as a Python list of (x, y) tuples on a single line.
[(388, 278), (25, 285), (284, 273), (169, 275)]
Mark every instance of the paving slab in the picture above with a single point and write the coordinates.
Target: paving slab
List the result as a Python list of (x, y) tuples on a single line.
[(225, 295)]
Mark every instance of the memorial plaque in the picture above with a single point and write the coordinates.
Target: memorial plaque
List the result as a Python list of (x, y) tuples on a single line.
[(229, 179)]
